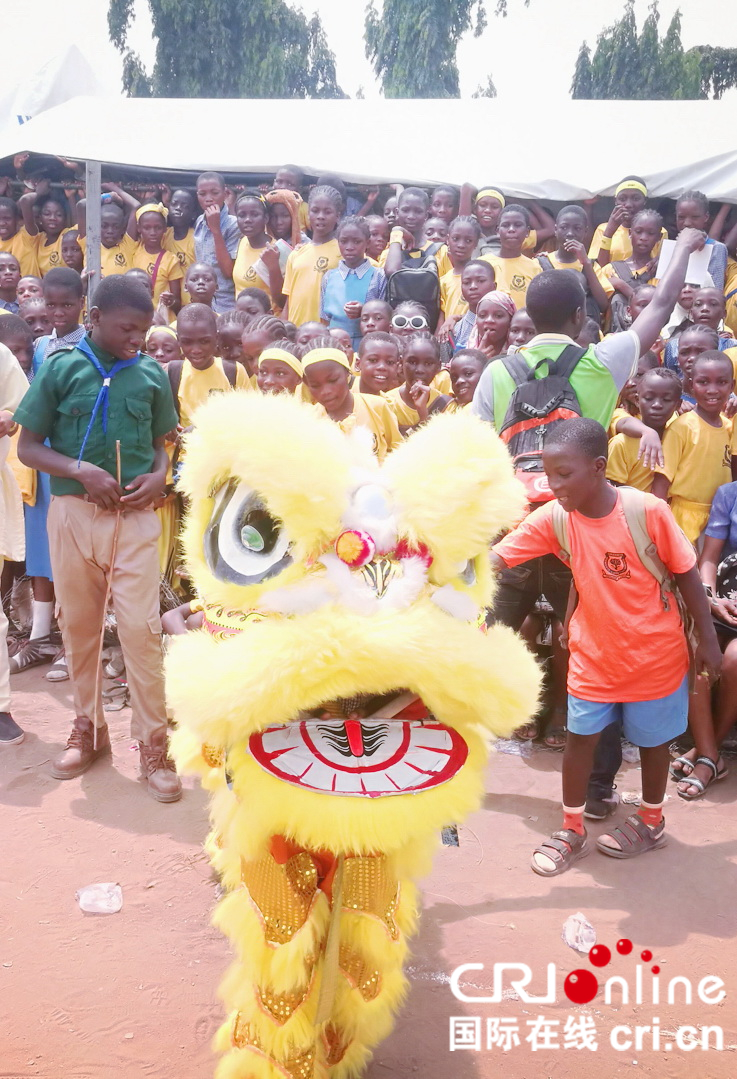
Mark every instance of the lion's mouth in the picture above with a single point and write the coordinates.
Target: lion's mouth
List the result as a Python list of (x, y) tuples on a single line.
[(398, 749)]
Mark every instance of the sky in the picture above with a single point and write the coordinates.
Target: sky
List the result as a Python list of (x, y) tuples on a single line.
[(530, 55)]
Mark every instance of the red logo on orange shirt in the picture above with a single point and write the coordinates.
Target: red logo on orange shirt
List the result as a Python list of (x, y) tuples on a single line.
[(615, 566)]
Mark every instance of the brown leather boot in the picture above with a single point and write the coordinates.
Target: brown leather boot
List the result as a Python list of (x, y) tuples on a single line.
[(79, 754), (159, 769)]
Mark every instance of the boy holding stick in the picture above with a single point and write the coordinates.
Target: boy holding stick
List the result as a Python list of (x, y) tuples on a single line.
[(104, 409)]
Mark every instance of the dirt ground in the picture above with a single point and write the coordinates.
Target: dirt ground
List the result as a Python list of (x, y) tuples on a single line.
[(134, 994)]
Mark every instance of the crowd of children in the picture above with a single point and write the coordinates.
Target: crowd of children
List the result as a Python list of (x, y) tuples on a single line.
[(447, 299)]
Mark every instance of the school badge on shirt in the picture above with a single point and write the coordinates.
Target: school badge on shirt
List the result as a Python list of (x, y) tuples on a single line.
[(615, 566)]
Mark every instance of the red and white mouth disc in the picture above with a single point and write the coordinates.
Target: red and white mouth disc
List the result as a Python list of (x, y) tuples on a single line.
[(366, 758)]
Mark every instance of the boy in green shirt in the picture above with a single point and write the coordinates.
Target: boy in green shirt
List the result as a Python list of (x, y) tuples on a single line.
[(84, 400)]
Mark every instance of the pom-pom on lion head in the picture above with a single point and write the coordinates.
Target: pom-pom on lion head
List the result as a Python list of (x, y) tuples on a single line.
[(343, 655)]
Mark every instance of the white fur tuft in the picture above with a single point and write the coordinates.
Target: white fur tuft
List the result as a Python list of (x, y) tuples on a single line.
[(458, 604)]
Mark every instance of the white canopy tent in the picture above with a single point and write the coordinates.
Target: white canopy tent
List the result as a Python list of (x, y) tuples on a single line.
[(573, 151)]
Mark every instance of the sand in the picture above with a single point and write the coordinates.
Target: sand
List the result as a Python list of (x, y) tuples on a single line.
[(133, 994)]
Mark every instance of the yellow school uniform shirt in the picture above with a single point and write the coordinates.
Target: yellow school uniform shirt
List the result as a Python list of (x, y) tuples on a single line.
[(196, 386), (617, 415), (442, 383), (698, 460), (377, 415), (184, 250), (49, 256), (168, 269), (598, 270), (451, 299), (621, 243), (114, 260), (25, 477), (514, 275), (25, 249), (306, 267), (623, 464), (244, 274), (730, 294), (732, 353), (407, 417)]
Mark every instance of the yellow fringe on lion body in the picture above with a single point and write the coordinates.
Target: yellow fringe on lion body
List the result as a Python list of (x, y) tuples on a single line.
[(303, 632)]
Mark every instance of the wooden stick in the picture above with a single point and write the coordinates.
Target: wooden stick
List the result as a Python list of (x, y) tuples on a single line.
[(108, 590)]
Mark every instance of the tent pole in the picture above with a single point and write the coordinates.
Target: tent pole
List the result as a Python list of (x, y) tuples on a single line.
[(93, 194)]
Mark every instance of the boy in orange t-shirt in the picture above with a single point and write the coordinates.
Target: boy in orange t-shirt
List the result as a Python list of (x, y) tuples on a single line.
[(628, 654)]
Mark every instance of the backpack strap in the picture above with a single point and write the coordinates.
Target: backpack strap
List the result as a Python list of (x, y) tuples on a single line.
[(567, 362), (731, 294), (230, 370), (440, 404), (155, 271), (622, 270), (633, 506), (560, 527), (174, 371), (519, 371)]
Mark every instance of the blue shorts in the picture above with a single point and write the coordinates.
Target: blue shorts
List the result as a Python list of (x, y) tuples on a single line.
[(646, 723)]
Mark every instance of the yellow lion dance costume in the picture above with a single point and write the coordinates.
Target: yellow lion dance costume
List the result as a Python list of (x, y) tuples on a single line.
[(337, 703)]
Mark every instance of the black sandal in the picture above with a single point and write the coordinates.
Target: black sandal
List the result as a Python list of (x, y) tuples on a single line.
[(563, 848), (717, 773), (634, 837)]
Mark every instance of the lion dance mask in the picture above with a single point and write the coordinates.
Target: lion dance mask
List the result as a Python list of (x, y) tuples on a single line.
[(337, 704)]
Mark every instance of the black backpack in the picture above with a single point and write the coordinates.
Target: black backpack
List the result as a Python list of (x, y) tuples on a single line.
[(534, 408), (418, 280)]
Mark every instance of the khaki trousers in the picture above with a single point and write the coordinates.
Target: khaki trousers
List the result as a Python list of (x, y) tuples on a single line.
[(81, 544), (4, 660)]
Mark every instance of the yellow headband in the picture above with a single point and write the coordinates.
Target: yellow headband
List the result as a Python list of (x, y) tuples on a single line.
[(319, 354), (284, 356), (631, 185), (491, 192), (151, 208), (163, 329)]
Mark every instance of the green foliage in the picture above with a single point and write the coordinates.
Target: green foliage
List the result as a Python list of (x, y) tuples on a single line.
[(582, 76), (227, 48), (412, 44), (717, 68), (485, 89), (645, 67)]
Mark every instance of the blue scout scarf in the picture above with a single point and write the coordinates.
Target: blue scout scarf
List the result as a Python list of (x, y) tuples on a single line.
[(103, 395)]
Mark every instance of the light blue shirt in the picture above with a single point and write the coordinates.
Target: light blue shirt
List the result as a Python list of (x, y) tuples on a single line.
[(204, 251)]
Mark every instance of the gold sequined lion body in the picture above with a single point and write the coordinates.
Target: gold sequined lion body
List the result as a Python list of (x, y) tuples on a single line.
[(337, 704)]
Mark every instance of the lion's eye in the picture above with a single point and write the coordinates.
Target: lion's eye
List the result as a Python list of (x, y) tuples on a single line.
[(244, 544)]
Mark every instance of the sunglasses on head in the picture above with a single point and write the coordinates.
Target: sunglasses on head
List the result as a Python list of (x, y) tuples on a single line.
[(416, 322)]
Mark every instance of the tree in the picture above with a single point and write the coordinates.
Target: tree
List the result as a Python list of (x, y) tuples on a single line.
[(227, 48), (646, 67), (486, 89), (412, 44)]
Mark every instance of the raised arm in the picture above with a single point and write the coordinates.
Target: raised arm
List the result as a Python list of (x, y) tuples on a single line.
[(650, 322), (720, 220), (542, 222), (26, 203), (128, 203), (468, 194)]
